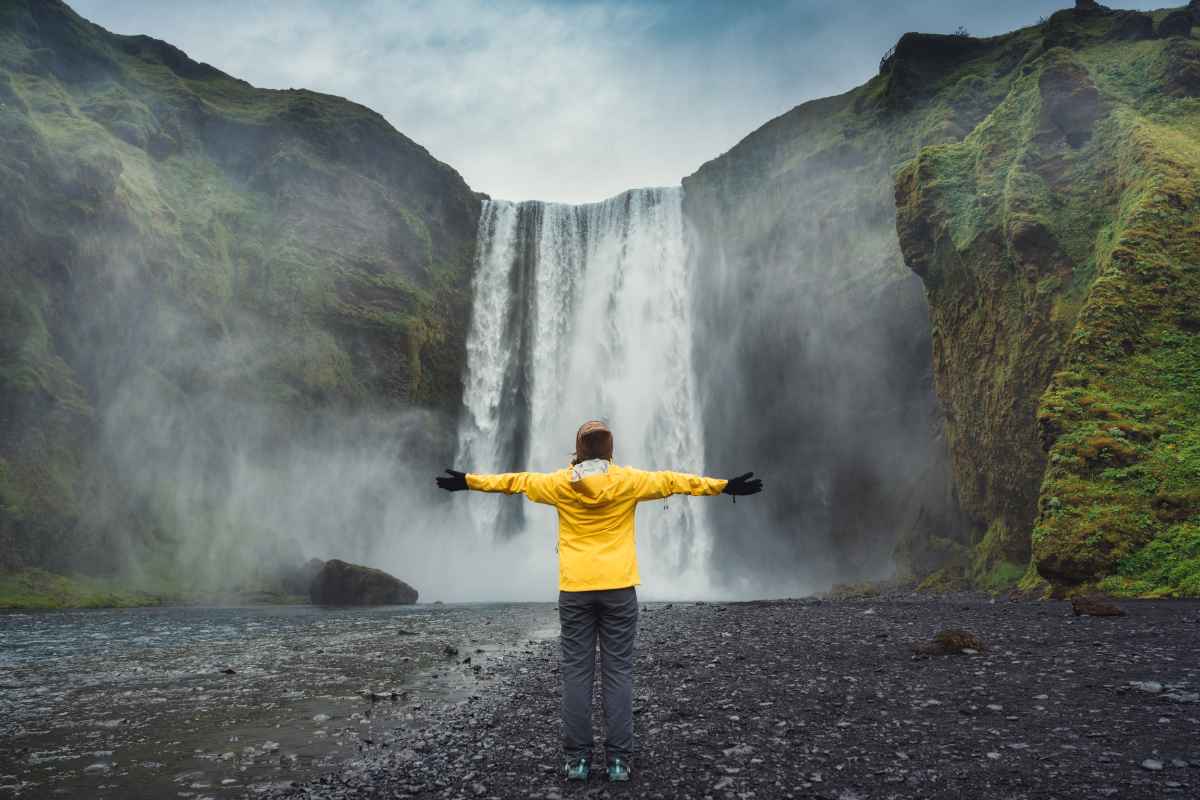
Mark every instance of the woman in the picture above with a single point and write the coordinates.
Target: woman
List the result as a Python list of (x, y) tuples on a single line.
[(597, 569)]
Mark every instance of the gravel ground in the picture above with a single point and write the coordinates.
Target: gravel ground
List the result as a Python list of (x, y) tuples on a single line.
[(826, 700)]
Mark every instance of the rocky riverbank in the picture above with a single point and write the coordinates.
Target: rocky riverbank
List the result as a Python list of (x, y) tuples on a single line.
[(812, 699)]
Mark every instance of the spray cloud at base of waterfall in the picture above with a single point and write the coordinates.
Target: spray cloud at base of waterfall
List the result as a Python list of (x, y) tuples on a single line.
[(583, 312)]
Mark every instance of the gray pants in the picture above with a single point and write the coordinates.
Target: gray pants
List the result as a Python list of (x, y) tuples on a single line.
[(611, 616)]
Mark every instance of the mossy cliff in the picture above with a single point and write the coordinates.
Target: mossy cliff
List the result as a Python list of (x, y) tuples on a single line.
[(172, 232), (1041, 184), (808, 305), (1059, 243)]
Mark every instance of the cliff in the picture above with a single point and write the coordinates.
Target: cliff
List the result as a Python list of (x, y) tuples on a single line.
[(1034, 412), (808, 302), (1059, 243), (173, 237)]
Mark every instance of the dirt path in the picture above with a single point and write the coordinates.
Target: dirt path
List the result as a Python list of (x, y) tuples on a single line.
[(825, 700)]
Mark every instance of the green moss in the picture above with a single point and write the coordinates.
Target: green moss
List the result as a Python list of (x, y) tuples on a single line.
[(1057, 242), (1168, 566), (38, 589)]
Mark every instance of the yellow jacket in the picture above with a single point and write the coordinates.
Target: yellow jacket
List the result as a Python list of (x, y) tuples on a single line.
[(596, 504)]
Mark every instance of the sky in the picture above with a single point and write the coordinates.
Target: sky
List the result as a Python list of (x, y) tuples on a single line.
[(561, 100)]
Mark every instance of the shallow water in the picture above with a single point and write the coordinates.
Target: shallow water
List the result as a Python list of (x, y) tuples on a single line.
[(138, 703)]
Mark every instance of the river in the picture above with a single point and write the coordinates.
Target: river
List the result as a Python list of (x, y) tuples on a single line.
[(216, 702)]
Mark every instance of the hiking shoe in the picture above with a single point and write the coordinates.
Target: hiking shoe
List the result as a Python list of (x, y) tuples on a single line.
[(618, 770), (578, 769)]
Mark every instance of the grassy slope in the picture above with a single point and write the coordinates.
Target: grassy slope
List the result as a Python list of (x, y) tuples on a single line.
[(1061, 251), (171, 230)]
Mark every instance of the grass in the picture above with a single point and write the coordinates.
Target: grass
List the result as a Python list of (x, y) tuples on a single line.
[(1062, 277), (176, 229), (39, 589)]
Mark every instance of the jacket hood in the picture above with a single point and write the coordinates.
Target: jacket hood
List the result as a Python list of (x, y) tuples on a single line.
[(591, 481)]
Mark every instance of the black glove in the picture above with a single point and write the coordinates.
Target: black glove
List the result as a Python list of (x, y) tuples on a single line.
[(455, 483), (743, 485)]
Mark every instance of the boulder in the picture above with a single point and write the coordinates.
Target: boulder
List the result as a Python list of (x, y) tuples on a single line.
[(1177, 23), (339, 583), (1095, 606), (950, 642)]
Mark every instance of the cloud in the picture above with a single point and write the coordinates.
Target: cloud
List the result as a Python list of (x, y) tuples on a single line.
[(558, 100)]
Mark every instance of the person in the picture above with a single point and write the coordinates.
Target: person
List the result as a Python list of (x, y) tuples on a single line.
[(597, 567)]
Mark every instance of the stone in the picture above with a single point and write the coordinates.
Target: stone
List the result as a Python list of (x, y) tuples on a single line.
[(1176, 23), (1177, 696), (1150, 687), (339, 583), (1095, 606), (1152, 764), (949, 641)]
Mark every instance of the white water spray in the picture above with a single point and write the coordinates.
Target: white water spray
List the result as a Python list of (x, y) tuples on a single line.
[(583, 312)]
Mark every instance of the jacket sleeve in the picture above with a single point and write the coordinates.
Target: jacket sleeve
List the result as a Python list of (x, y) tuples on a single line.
[(537, 486), (656, 485)]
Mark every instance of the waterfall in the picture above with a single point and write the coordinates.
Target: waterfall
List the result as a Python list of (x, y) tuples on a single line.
[(583, 312)]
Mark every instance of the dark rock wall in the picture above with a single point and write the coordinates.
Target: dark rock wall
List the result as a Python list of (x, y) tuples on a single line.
[(192, 260)]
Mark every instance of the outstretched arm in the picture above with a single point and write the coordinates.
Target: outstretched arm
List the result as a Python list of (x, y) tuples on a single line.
[(656, 485), (537, 486)]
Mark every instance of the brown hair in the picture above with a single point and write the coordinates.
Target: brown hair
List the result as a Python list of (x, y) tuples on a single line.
[(593, 440)]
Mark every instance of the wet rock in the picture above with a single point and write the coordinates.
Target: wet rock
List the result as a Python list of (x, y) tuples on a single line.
[(1095, 606), (1152, 764), (950, 641), (340, 583), (1177, 696), (1150, 687)]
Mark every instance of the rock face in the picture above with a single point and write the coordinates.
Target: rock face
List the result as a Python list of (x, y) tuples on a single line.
[(1023, 175), (1059, 250), (339, 583), (820, 331), (210, 262)]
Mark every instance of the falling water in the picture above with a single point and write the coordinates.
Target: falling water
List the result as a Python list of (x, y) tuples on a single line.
[(582, 312)]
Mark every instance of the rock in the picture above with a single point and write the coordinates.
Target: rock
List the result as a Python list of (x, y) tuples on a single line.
[(229, 671), (1152, 764), (339, 583), (949, 641), (1151, 687), (1177, 23), (1177, 696), (1095, 606)]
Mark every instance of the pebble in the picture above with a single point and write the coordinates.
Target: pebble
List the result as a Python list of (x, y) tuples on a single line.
[(1152, 764), (1150, 687)]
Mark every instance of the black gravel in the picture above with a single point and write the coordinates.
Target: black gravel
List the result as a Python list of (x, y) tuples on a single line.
[(827, 700)]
